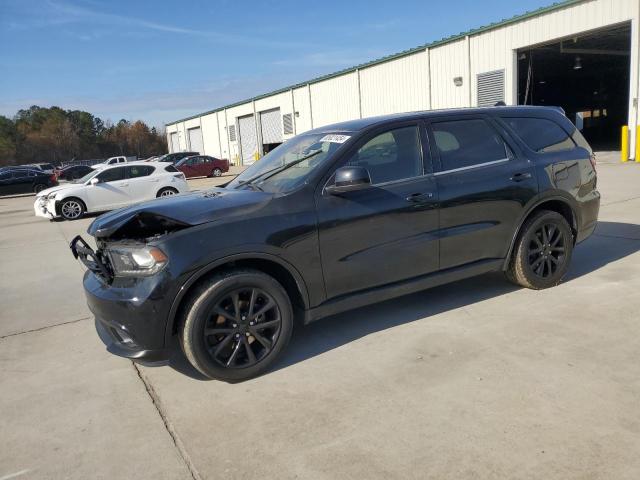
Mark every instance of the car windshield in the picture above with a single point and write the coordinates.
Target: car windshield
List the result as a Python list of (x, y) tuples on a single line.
[(290, 164), (87, 177)]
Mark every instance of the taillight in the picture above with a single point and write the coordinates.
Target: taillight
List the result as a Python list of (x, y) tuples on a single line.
[(179, 175), (53, 177), (593, 161)]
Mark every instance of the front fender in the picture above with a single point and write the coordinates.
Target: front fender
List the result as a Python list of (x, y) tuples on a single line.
[(201, 272)]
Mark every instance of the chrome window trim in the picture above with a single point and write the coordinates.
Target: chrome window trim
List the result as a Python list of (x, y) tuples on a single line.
[(471, 167)]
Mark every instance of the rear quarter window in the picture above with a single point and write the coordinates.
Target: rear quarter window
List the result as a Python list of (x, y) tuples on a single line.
[(170, 168), (540, 135)]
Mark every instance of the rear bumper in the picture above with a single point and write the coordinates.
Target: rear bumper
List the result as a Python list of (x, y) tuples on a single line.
[(589, 217)]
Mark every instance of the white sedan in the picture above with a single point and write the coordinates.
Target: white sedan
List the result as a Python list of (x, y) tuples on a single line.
[(110, 188)]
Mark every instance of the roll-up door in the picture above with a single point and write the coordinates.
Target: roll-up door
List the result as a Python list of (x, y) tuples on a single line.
[(195, 140), (248, 139), (271, 124), (175, 146), (490, 88)]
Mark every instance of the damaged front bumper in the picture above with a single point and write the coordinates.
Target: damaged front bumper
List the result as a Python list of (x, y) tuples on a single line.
[(45, 208), (130, 313)]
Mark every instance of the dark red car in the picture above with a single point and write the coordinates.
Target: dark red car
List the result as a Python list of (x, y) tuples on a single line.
[(202, 166)]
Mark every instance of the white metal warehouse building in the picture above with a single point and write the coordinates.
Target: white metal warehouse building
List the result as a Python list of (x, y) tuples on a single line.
[(582, 55)]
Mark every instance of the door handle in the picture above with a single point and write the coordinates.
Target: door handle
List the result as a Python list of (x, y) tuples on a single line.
[(519, 177), (419, 197)]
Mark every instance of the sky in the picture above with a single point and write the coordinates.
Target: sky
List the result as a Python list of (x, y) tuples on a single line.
[(163, 60)]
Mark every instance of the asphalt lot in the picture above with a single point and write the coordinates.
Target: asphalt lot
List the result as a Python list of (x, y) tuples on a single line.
[(477, 379)]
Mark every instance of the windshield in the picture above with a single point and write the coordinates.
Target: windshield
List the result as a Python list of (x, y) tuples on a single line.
[(87, 177), (290, 164)]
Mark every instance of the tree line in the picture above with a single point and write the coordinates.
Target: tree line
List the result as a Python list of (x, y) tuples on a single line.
[(56, 135)]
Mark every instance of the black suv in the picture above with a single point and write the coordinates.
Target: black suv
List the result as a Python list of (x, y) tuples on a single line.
[(336, 218)]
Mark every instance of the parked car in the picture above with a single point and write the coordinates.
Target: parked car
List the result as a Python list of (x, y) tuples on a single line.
[(74, 172), (177, 156), (111, 161), (109, 188), (340, 217), (15, 180), (202, 166), (44, 167)]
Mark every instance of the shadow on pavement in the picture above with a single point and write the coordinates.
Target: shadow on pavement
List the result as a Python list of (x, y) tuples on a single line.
[(613, 241)]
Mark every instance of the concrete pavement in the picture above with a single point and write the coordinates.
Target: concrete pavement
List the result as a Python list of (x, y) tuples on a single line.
[(476, 379)]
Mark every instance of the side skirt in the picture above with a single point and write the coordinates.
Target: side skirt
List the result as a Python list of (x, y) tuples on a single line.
[(397, 289)]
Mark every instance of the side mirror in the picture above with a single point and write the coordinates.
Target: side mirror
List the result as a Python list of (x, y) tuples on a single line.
[(94, 181), (349, 179)]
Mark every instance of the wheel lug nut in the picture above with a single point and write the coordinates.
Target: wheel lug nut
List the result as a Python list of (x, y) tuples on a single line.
[(237, 335), (251, 323), (244, 318), (247, 334), (235, 325)]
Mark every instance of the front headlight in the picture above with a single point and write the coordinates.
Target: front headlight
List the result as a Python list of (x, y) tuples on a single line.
[(136, 261)]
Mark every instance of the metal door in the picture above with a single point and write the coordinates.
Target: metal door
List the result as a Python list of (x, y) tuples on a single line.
[(175, 146), (195, 140), (248, 139), (271, 124)]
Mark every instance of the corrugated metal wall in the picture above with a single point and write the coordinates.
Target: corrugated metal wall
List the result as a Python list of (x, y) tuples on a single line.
[(425, 79), (400, 85), (335, 100)]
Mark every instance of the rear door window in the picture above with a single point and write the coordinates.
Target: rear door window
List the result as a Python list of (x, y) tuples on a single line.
[(540, 135), (137, 171), (467, 143)]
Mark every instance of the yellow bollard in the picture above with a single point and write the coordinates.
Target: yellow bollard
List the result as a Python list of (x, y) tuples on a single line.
[(638, 144), (624, 144)]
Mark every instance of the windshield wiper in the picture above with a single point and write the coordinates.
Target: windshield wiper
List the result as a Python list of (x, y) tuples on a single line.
[(275, 171)]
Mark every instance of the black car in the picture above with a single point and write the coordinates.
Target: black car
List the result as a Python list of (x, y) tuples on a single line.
[(337, 218), (15, 180), (74, 172), (176, 157)]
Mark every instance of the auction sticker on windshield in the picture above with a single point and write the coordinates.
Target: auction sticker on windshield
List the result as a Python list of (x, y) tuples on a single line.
[(335, 138)]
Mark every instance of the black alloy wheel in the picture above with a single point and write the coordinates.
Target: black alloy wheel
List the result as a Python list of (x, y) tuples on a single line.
[(243, 327), (235, 324), (542, 252), (546, 250)]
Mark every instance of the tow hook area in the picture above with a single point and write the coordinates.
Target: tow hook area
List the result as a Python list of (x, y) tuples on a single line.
[(92, 260)]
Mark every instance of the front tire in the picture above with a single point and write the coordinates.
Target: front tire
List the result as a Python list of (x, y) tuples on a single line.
[(216, 172), (236, 325), (543, 251), (72, 209)]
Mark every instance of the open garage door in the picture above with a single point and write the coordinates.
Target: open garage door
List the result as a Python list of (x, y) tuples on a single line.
[(585, 74), (175, 146), (271, 125), (248, 139), (195, 140)]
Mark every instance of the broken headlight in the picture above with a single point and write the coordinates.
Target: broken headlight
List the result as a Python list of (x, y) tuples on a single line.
[(136, 261)]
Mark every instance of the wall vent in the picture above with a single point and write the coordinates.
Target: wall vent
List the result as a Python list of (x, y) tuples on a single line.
[(287, 123), (232, 133), (490, 88)]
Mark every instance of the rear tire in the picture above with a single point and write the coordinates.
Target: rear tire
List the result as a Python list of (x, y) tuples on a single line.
[(542, 252), (236, 324), (38, 187), (72, 208), (166, 192)]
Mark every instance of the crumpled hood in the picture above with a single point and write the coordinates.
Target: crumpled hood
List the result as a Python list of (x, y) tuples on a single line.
[(176, 212), (63, 186)]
